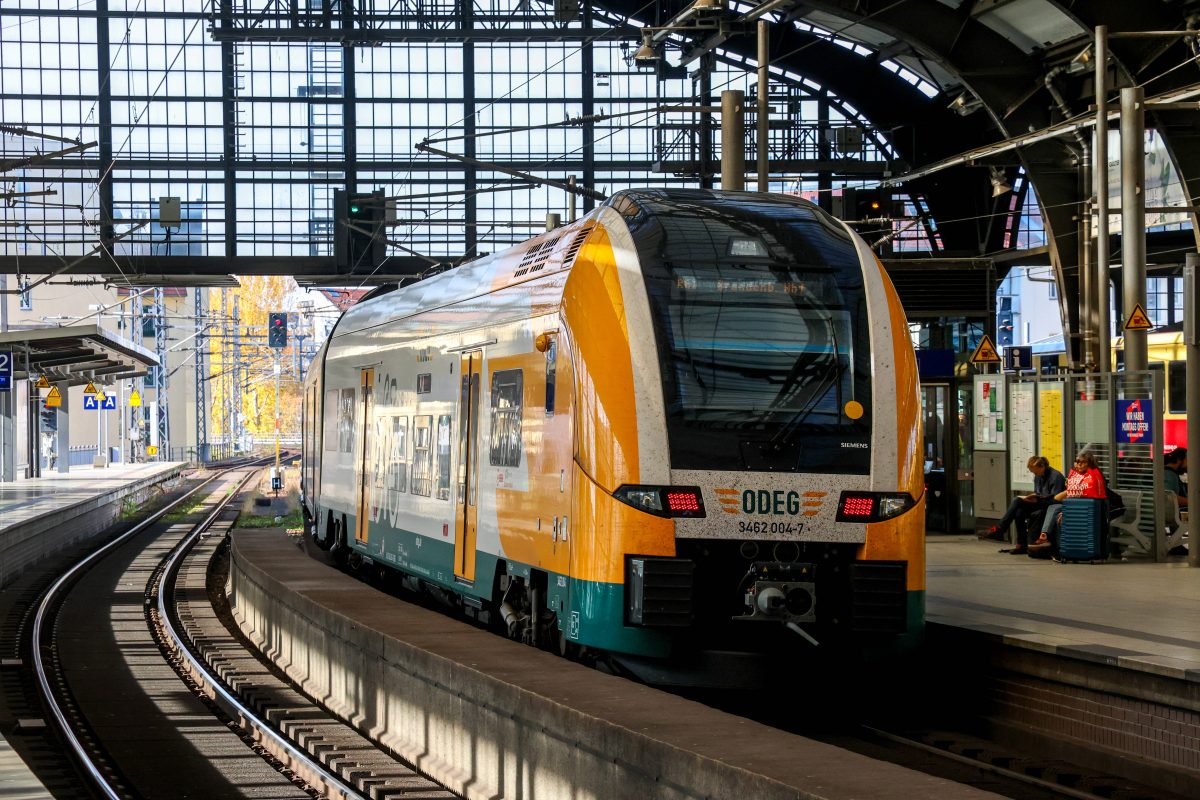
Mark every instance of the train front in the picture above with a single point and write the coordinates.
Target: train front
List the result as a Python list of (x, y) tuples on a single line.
[(790, 460)]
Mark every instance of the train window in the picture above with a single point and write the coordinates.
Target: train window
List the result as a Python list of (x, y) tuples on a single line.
[(330, 433), (443, 457), (424, 382), (346, 422), (507, 403), (422, 466), (551, 374), (398, 455), (1177, 387)]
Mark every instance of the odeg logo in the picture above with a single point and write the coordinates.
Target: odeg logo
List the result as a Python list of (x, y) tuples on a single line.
[(765, 502)]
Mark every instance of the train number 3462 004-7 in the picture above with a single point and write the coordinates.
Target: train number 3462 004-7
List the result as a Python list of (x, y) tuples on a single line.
[(755, 526)]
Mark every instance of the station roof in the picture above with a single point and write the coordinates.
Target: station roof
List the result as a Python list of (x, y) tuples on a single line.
[(75, 354)]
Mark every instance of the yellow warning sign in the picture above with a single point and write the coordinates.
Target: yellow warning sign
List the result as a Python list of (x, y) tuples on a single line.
[(985, 353), (151, 449), (42, 383), (99, 399), (1139, 320), (91, 388), (135, 399), (54, 399)]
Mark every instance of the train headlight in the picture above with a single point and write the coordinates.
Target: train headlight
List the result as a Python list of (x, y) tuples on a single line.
[(663, 501), (872, 506)]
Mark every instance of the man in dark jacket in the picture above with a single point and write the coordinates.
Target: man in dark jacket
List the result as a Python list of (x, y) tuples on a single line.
[(1047, 482)]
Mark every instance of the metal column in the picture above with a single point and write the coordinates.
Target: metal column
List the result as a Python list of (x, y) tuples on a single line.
[(733, 140), (1133, 220), (64, 428), (161, 381), (1103, 287), (470, 174), (763, 120), (1191, 334), (201, 382), (589, 109)]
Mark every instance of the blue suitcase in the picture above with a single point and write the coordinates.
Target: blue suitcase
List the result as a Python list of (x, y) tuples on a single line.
[(1084, 532)]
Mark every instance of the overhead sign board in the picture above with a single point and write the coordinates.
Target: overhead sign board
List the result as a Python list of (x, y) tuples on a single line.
[(1135, 421), (5, 370), (54, 399), (985, 353)]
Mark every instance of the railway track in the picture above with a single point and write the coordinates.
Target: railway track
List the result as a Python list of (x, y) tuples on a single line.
[(115, 634)]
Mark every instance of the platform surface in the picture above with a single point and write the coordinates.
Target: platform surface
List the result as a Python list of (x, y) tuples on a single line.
[(27, 499), (1134, 615)]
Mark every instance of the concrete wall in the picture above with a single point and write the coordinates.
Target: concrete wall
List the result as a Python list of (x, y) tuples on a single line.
[(495, 719)]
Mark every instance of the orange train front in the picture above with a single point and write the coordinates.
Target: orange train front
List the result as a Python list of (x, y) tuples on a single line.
[(685, 425)]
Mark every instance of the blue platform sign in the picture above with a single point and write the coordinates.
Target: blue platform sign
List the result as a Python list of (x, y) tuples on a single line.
[(5, 370), (1018, 359), (109, 403), (1135, 421)]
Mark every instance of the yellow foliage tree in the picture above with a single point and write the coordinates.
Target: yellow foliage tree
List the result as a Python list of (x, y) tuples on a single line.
[(242, 366)]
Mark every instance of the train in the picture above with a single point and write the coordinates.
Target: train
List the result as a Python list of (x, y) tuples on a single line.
[(682, 432), (1165, 351)]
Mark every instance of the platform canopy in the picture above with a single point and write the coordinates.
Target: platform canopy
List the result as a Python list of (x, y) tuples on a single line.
[(75, 354)]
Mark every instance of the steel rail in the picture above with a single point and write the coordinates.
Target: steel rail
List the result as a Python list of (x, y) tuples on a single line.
[(200, 670), (39, 622)]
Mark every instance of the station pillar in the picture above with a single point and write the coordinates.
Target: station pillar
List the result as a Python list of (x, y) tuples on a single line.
[(64, 429), (8, 437)]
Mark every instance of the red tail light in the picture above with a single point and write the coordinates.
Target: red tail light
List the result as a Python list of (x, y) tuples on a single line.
[(663, 501), (683, 501), (872, 506), (856, 507)]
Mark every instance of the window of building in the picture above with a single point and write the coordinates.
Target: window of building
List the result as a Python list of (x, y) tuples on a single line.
[(443, 457), (507, 402), (422, 463), (1052, 288), (26, 302), (424, 382)]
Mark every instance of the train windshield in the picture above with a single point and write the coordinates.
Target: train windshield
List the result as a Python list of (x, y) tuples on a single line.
[(763, 344)]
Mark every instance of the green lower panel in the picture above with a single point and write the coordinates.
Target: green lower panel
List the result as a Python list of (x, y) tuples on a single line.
[(596, 618)]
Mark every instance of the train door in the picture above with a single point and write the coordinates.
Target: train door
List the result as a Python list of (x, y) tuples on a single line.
[(366, 427), (467, 518), (940, 477)]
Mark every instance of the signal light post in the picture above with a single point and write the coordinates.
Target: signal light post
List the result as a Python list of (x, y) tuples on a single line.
[(277, 330)]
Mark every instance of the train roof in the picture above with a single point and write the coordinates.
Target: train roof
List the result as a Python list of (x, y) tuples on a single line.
[(542, 260)]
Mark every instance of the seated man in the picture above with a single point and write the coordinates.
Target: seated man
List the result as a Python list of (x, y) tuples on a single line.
[(1047, 482), (1175, 463)]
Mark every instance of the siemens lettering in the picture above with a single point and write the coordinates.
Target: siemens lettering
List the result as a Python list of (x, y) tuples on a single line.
[(764, 502)]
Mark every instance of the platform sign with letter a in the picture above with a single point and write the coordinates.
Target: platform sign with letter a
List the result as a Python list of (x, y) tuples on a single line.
[(109, 402), (5, 370)]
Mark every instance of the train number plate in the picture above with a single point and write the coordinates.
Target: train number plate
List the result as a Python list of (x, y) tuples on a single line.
[(762, 527)]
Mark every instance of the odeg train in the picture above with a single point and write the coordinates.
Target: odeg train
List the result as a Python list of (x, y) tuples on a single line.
[(682, 429)]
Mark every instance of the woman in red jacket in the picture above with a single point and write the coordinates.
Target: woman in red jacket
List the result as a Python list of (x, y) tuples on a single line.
[(1084, 480)]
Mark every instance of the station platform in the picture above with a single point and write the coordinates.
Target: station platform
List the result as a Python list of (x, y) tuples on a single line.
[(41, 516), (1106, 654)]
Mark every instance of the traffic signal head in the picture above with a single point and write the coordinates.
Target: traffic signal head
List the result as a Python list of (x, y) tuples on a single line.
[(277, 329)]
